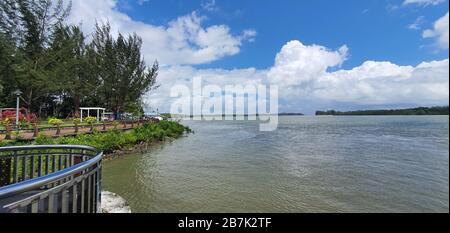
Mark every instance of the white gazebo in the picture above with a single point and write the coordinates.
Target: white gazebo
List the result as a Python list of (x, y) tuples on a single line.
[(94, 109)]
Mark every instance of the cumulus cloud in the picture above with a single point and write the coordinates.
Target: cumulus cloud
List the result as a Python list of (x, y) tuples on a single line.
[(423, 2), (439, 32), (310, 61), (309, 76), (182, 41), (306, 83), (385, 83), (302, 72)]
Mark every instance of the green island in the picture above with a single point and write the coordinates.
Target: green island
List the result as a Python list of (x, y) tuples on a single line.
[(440, 110)]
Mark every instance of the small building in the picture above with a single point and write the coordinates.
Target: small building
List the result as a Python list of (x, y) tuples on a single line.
[(100, 116)]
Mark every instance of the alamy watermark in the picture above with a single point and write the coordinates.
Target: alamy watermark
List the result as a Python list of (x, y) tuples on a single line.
[(231, 102)]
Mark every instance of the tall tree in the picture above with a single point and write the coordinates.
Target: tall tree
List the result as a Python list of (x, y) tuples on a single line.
[(8, 63), (121, 69), (70, 68), (29, 24), (51, 63)]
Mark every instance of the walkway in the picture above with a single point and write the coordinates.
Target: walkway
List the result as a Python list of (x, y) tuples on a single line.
[(67, 131)]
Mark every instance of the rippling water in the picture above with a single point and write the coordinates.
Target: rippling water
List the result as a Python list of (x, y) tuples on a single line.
[(310, 164)]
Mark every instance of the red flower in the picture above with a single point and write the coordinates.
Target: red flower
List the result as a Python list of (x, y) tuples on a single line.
[(11, 115)]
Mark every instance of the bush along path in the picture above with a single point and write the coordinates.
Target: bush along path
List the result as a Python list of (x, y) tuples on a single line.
[(113, 139), (58, 129)]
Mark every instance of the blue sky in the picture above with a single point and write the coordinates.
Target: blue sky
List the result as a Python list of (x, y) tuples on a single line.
[(372, 29), (322, 54)]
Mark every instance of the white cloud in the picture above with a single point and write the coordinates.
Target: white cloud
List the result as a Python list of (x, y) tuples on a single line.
[(306, 83), (309, 61), (210, 5), (301, 70), (183, 41), (423, 2), (384, 83), (392, 7), (417, 23), (439, 32), (248, 34), (142, 2)]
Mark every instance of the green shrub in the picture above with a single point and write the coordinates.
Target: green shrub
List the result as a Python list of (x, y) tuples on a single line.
[(76, 121), (90, 119), (43, 140), (6, 143), (55, 121)]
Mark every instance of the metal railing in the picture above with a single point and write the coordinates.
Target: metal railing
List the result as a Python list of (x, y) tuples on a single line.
[(50, 179)]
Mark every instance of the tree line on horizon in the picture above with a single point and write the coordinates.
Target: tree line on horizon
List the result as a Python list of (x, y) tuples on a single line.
[(438, 110), (59, 69)]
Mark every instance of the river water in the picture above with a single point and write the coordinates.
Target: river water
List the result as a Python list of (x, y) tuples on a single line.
[(309, 164)]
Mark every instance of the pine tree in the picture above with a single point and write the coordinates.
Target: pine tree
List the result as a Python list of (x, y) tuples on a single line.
[(48, 60), (70, 68), (121, 69), (28, 24)]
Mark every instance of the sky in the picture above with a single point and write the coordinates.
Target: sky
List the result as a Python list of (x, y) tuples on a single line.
[(322, 54)]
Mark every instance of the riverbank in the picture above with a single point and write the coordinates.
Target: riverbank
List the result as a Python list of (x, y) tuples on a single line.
[(140, 148), (115, 142), (28, 134)]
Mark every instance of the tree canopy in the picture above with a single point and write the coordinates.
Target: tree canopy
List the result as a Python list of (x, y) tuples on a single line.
[(58, 69)]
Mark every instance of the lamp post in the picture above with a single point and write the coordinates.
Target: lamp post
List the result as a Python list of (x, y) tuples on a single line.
[(17, 93)]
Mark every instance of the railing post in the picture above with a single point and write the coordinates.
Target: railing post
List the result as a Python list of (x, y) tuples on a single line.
[(5, 167), (98, 177)]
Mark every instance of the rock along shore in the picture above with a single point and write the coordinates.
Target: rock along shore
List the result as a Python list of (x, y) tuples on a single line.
[(113, 203)]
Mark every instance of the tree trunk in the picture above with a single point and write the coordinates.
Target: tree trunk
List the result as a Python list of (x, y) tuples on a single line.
[(76, 103), (8, 132), (36, 130), (76, 128), (28, 100), (58, 130)]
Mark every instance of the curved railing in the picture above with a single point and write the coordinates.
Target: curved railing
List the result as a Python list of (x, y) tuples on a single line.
[(50, 179)]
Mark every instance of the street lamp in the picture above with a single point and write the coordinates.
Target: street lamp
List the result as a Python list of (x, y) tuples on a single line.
[(17, 93)]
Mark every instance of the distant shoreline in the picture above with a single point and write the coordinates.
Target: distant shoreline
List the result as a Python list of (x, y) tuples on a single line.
[(420, 111), (306, 115)]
